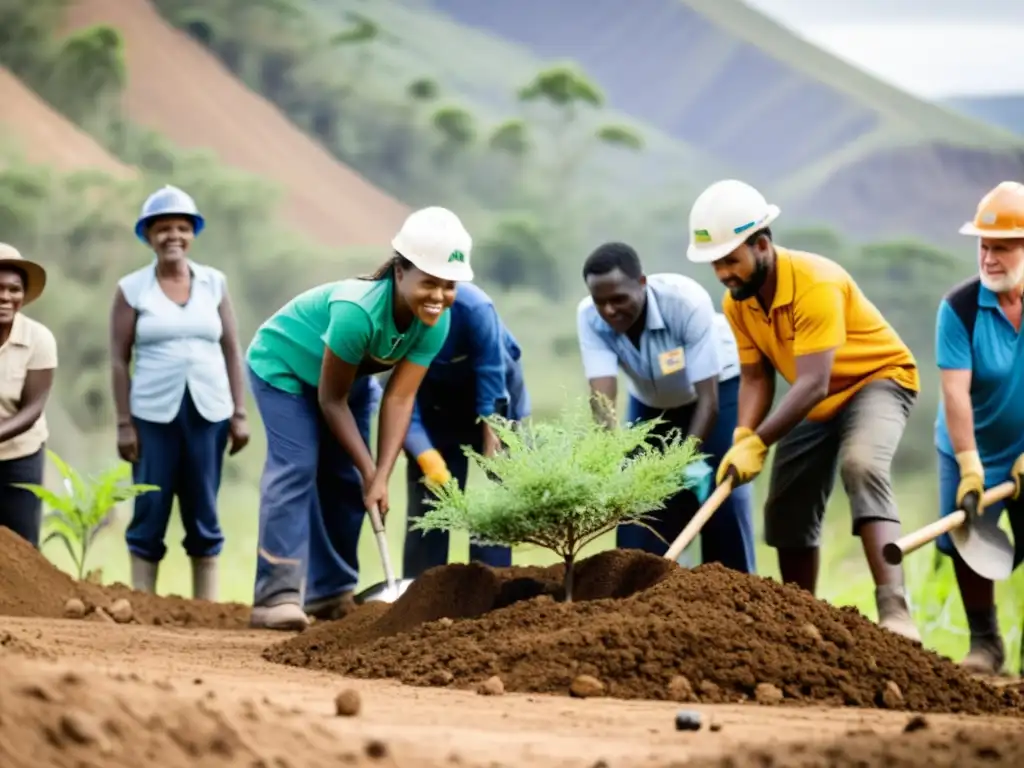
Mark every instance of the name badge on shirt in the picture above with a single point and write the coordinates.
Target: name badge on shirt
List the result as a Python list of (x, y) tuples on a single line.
[(672, 361)]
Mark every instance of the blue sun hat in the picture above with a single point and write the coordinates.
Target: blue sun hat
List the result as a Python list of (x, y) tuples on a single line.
[(168, 201)]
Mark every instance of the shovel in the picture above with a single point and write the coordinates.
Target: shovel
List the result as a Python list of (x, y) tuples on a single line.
[(692, 529), (981, 543), (390, 589)]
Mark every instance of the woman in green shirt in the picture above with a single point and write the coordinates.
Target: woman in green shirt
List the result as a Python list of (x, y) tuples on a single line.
[(309, 365)]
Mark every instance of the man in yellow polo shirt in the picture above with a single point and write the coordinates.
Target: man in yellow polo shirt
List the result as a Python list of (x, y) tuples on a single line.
[(853, 384)]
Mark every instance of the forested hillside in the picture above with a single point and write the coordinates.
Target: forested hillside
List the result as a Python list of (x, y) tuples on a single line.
[(543, 168)]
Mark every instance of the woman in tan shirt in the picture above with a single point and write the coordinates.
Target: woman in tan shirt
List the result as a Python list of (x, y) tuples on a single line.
[(28, 358)]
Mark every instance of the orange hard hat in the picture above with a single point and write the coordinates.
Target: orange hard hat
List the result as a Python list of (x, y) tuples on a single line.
[(1000, 213)]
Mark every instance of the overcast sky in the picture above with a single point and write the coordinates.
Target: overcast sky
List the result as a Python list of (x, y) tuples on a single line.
[(933, 48)]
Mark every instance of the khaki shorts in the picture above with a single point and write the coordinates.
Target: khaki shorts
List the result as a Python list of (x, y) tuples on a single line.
[(860, 441)]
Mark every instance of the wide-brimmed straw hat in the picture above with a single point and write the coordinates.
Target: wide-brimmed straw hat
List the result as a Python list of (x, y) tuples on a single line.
[(34, 273)]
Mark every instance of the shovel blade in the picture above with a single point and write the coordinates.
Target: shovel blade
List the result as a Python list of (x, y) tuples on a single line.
[(382, 593), (984, 546)]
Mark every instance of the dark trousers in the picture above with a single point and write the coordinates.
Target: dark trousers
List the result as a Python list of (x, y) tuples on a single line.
[(184, 458), (424, 550), (22, 510), (311, 498), (728, 537)]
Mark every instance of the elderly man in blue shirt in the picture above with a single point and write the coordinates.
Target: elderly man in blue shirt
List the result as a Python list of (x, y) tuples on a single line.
[(979, 432), (681, 364), (477, 373)]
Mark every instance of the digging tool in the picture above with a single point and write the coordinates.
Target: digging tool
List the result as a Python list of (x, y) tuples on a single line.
[(390, 589), (689, 533), (982, 544)]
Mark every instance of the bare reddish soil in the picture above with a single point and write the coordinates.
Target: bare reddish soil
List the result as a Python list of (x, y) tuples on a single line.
[(91, 693), (46, 136), (180, 90)]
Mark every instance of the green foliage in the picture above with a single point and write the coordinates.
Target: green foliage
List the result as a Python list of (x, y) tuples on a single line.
[(561, 484), (621, 136), (513, 253), (563, 85), (77, 516), (88, 73)]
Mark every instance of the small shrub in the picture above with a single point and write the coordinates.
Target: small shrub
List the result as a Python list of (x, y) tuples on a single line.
[(561, 484)]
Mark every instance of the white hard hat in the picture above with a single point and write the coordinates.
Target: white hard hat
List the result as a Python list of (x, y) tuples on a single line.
[(435, 241), (723, 216)]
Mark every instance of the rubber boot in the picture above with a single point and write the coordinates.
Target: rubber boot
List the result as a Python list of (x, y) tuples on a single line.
[(144, 574), (204, 578), (986, 655), (331, 608), (283, 616), (894, 613)]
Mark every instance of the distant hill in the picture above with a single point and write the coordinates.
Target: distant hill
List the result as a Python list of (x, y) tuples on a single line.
[(45, 136), (179, 89), (1005, 110), (829, 141)]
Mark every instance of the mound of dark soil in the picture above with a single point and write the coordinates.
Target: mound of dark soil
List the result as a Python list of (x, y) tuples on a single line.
[(977, 748), (31, 586), (638, 624)]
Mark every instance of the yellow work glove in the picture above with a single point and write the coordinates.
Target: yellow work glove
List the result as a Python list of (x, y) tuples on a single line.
[(740, 432), (1017, 473), (745, 458), (433, 467), (972, 480)]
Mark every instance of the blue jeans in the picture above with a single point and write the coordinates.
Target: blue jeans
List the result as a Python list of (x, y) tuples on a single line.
[(184, 458), (949, 479), (425, 549), (726, 538), (311, 498)]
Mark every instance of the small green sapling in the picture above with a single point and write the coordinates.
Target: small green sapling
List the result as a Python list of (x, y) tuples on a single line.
[(77, 516), (561, 484)]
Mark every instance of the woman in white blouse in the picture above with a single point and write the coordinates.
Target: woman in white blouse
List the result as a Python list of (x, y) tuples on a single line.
[(185, 399)]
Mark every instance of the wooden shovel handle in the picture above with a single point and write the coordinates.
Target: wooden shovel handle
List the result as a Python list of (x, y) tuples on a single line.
[(895, 551), (375, 519), (689, 533)]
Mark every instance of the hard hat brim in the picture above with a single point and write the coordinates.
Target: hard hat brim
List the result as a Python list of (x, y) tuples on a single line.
[(972, 230), (712, 252), (458, 271)]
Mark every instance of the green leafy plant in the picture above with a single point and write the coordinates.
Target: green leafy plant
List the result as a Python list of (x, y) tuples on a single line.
[(77, 516), (560, 484)]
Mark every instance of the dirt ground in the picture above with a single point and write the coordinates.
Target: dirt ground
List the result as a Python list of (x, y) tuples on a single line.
[(77, 693), (103, 677)]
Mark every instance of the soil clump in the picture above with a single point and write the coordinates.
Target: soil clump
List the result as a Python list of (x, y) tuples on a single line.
[(976, 748), (639, 623), (32, 587)]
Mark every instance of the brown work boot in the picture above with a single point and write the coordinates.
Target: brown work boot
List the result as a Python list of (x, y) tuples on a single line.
[(331, 608), (894, 613), (986, 655)]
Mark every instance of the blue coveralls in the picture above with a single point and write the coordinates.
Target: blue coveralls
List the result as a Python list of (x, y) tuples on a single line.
[(477, 373)]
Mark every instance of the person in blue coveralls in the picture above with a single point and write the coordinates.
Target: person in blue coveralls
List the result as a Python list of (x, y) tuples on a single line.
[(979, 431), (681, 364), (478, 372)]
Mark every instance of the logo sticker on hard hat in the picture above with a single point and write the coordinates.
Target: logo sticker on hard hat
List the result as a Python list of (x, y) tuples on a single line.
[(701, 236), (988, 217), (458, 256)]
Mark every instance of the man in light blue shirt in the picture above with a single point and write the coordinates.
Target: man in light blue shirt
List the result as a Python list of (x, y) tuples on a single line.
[(681, 364), (979, 431)]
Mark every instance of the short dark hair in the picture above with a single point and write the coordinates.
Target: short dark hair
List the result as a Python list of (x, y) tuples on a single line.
[(766, 231), (387, 269), (612, 256)]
